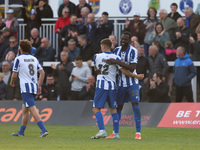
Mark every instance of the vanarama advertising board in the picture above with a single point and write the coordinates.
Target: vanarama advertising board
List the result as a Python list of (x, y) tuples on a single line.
[(125, 8)]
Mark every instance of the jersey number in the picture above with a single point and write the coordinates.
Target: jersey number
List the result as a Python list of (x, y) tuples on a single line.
[(105, 69), (31, 71)]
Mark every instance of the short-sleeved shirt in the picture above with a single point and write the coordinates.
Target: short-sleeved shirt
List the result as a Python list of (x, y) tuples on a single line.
[(27, 67), (107, 79), (128, 57)]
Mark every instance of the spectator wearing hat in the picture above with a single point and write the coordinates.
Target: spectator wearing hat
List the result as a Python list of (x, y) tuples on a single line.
[(136, 27), (34, 21), (11, 22), (69, 4)]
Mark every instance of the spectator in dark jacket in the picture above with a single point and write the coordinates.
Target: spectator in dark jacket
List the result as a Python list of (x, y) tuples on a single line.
[(136, 27), (184, 71), (174, 14), (34, 21), (195, 47), (35, 39), (88, 91), (68, 4), (157, 62), (4, 93), (44, 9), (158, 91), (82, 3), (63, 71), (87, 49), (45, 52)]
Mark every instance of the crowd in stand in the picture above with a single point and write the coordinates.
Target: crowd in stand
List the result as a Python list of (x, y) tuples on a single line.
[(157, 39)]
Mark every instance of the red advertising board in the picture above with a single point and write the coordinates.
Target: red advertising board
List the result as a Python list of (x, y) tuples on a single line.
[(181, 115)]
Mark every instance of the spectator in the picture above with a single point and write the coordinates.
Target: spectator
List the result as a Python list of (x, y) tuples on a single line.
[(50, 88), (87, 49), (136, 27), (3, 46), (89, 28), (170, 56), (88, 91), (142, 68), (158, 91), (182, 35), (195, 47), (78, 77), (159, 34), (72, 50), (174, 14), (134, 42), (82, 4), (168, 23), (44, 9), (70, 31), (157, 62), (34, 21), (35, 39), (26, 9), (2, 24), (63, 71), (68, 4), (13, 47), (113, 39), (11, 22), (192, 20), (104, 27), (45, 52), (184, 71), (4, 93), (84, 14), (150, 23), (14, 92), (161, 49)]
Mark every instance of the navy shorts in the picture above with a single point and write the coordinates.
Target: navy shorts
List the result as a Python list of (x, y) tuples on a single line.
[(29, 99), (102, 96), (124, 94)]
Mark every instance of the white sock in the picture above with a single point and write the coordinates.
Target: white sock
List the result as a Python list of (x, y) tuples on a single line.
[(138, 133)]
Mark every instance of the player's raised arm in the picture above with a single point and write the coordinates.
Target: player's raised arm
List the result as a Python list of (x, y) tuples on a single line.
[(128, 73)]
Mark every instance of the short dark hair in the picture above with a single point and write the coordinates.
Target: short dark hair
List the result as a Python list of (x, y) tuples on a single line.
[(106, 42), (78, 58), (105, 13), (127, 33), (174, 4), (159, 75), (50, 75), (25, 45)]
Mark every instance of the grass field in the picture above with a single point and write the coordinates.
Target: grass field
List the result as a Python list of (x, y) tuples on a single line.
[(78, 138)]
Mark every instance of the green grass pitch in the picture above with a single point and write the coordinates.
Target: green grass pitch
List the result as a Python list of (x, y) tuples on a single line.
[(64, 137)]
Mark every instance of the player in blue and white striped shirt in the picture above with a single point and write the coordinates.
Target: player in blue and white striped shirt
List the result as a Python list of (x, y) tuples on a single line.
[(106, 87), (128, 87), (26, 67)]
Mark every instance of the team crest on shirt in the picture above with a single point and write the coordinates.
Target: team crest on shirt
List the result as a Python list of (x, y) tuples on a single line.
[(125, 6), (95, 4)]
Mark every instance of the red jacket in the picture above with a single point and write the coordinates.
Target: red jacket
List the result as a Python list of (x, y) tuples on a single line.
[(61, 22)]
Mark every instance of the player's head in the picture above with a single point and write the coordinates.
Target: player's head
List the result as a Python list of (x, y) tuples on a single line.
[(106, 44), (25, 46), (125, 38)]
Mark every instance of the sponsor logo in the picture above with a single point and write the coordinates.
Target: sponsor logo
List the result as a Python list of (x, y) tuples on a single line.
[(155, 4), (95, 4), (125, 6), (12, 115), (185, 115), (185, 3)]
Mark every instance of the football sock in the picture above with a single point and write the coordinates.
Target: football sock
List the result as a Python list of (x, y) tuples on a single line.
[(22, 129), (41, 125), (99, 119), (115, 122), (137, 117), (119, 112)]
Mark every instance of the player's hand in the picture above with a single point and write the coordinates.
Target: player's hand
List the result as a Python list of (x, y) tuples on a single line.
[(111, 61), (98, 71), (140, 76)]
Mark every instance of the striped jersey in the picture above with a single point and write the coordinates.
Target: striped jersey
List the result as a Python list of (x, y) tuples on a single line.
[(107, 79), (27, 67), (128, 57)]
